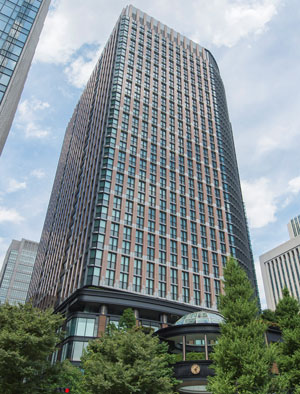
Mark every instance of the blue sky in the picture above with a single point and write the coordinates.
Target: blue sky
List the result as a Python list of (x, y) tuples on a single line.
[(256, 44)]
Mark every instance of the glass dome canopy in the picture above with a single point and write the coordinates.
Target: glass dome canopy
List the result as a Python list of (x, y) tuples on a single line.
[(200, 317)]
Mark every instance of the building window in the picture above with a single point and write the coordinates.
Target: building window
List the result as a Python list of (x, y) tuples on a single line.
[(93, 276), (127, 233), (150, 270), (217, 287), (205, 269), (162, 289), (174, 292), (207, 285), (195, 265), (116, 214), (185, 279), (80, 326), (77, 350), (124, 264), (207, 300), (185, 295), (110, 277), (96, 257), (137, 283), (162, 273), (149, 286), (138, 250), (150, 253), (197, 298), (111, 260), (173, 258), (123, 280), (126, 247), (139, 236), (162, 257), (113, 243)]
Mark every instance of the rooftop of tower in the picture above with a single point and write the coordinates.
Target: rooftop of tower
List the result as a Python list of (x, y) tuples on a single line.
[(168, 32)]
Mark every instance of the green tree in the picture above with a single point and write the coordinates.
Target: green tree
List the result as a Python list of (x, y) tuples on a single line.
[(287, 315), (64, 375), (241, 359), (27, 338), (269, 316), (127, 320), (127, 362)]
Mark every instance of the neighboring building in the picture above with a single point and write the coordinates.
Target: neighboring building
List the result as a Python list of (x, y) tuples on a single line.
[(294, 227), (146, 204), (16, 271), (21, 22), (280, 267)]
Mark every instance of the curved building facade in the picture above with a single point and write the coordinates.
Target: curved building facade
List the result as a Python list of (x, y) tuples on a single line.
[(146, 200)]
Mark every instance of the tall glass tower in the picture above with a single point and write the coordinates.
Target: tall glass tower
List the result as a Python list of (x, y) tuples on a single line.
[(146, 204), (21, 22), (16, 271)]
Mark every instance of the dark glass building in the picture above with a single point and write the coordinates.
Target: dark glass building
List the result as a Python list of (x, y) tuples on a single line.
[(146, 204), (21, 22)]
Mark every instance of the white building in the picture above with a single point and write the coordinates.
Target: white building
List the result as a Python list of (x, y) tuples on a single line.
[(294, 227), (281, 268)]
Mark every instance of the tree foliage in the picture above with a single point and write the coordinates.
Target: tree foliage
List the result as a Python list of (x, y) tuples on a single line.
[(287, 315), (241, 359), (127, 320), (269, 317), (64, 375), (127, 362), (27, 338)]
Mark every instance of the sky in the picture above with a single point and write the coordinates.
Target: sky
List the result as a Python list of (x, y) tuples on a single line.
[(256, 44)]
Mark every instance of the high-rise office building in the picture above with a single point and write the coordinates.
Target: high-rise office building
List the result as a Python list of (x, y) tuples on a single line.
[(16, 271), (146, 204), (21, 22), (280, 267), (294, 227)]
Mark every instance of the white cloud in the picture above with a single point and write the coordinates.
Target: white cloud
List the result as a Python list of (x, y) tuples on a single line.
[(264, 198), (10, 215), (38, 173), (242, 19), (277, 137), (39, 105), (14, 186), (294, 185), (34, 131), (260, 201), (292, 189), (27, 118), (265, 126), (79, 70), (73, 23)]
